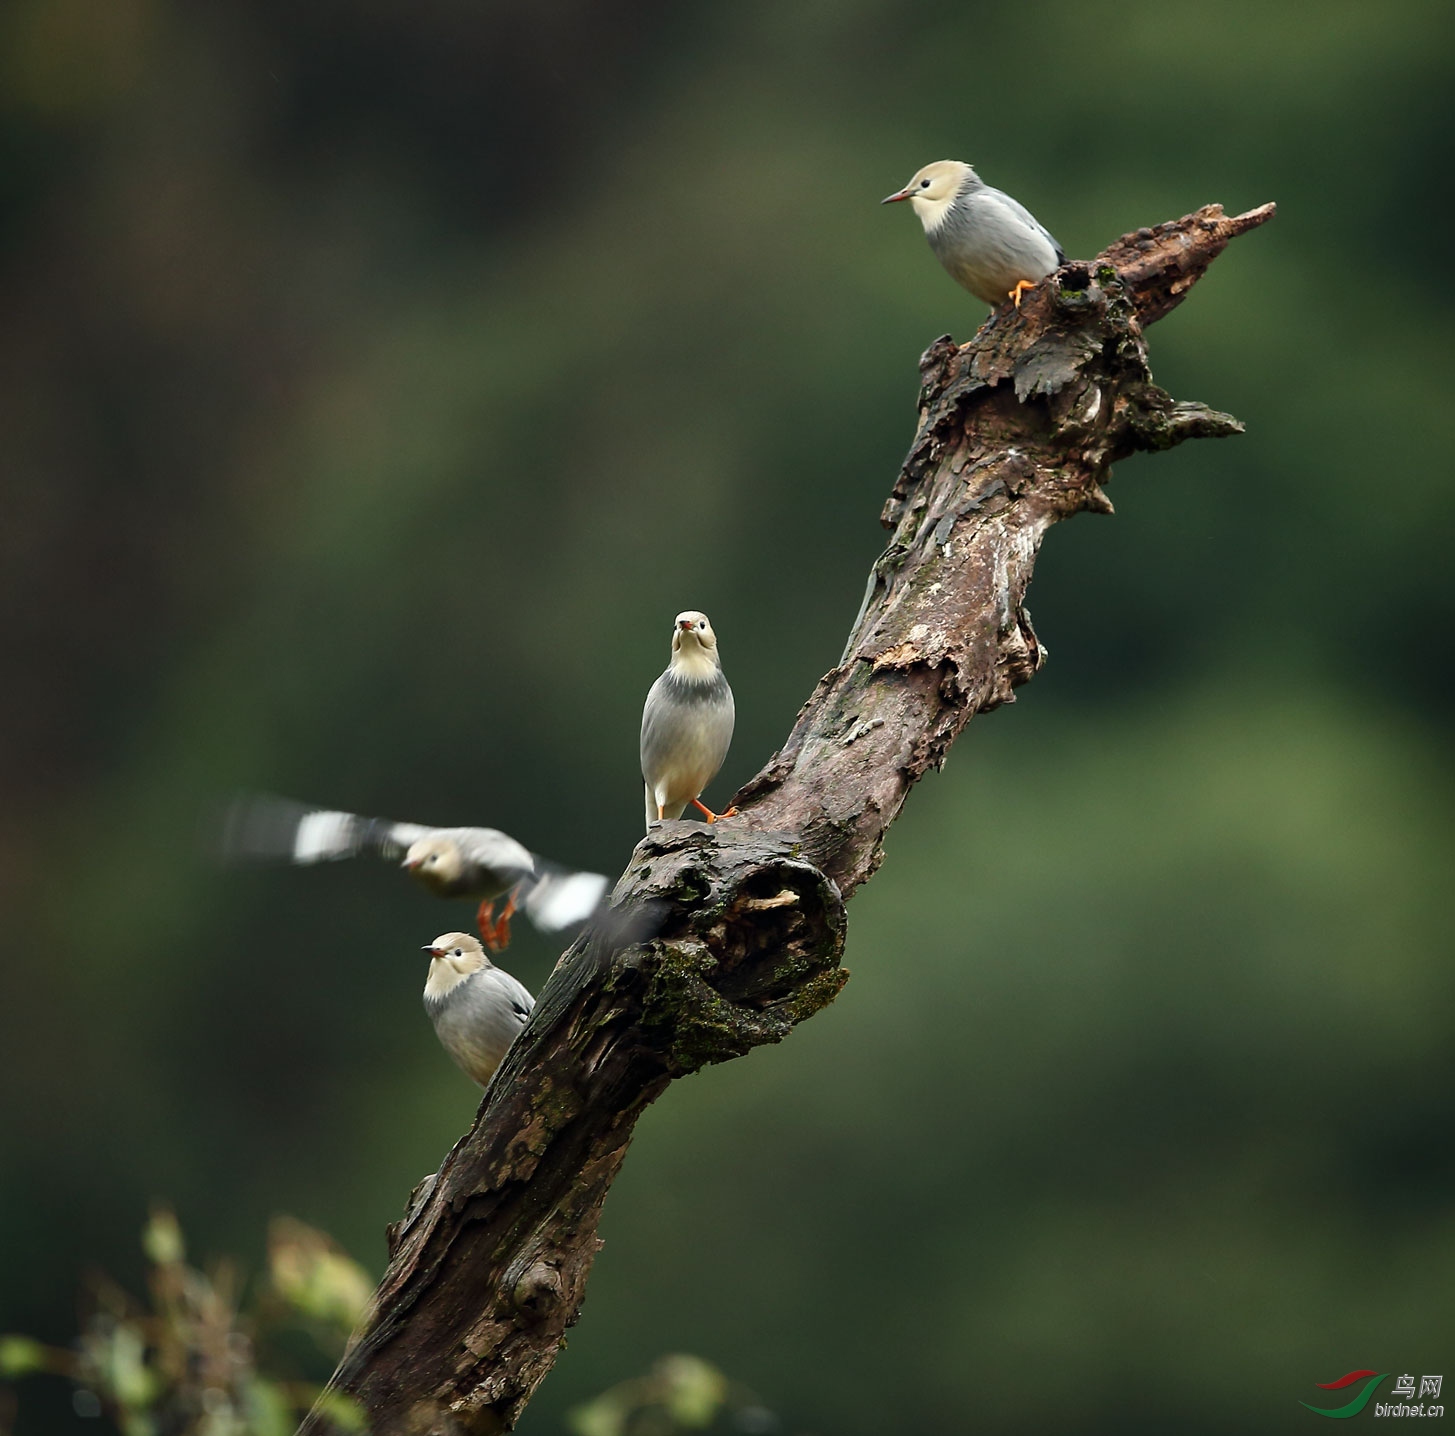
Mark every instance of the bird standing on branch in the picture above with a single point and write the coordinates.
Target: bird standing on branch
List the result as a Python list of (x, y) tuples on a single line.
[(481, 863), (687, 723), (991, 244), (476, 1008)]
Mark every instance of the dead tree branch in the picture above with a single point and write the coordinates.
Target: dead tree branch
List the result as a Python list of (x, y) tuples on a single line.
[(1017, 430)]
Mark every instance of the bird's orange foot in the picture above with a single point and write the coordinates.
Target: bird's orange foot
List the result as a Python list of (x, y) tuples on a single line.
[(1020, 288), (495, 932), (710, 815), (485, 921)]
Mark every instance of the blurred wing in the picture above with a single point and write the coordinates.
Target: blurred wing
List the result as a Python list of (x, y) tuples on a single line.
[(559, 898), (614, 928), (495, 852), (262, 826)]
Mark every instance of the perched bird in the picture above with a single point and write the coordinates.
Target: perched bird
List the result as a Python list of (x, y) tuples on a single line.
[(992, 245), (481, 863), (477, 1009), (687, 723)]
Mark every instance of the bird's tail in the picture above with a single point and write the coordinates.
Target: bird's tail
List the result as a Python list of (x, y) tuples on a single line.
[(556, 898), (262, 826)]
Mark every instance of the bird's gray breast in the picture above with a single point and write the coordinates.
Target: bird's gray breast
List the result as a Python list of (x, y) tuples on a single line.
[(478, 1019), (686, 724)]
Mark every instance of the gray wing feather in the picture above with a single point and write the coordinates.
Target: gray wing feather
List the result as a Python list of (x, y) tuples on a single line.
[(1000, 210), (261, 825), (493, 852), (990, 242), (510, 991), (657, 717)]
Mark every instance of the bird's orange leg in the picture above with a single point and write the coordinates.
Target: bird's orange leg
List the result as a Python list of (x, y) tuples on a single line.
[(485, 920), (497, 939), (1021, 285), (710, 815), (661, 808)]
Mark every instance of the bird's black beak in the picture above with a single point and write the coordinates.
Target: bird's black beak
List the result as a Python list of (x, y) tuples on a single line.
[(898, 194)]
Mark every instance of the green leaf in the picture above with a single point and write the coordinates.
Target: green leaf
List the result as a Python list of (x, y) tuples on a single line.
[(341, 1410), (314, 1276), (605, 1416), (19, 1356), (269, 1411), (161, 1239), (693, 1390), (130, 1381)]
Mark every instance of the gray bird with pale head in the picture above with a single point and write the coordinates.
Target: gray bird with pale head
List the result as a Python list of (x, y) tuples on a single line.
[(991, 244), (477, 1009), (687, 723)]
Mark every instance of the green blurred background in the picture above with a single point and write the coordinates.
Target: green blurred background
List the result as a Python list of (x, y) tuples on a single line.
[(379, 380)]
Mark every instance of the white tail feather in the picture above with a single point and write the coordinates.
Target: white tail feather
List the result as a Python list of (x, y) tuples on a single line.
[(560, 899)]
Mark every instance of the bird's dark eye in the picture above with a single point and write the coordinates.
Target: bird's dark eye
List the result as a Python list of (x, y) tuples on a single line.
[(702, 626), (924, 184), (459, 952)]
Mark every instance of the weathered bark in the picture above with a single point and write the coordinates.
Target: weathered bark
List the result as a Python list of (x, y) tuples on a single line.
[(1017, 430)]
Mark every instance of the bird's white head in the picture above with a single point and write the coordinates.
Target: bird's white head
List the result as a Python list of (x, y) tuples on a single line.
[(436, 861), (453, 956), (933, 190), (694, 645)]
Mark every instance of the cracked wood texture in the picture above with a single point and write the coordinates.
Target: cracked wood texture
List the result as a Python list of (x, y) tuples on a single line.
[(723, 938)]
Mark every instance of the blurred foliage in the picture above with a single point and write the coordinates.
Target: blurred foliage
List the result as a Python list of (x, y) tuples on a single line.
[(679, 1394), (378, 381), (186, 1364)]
